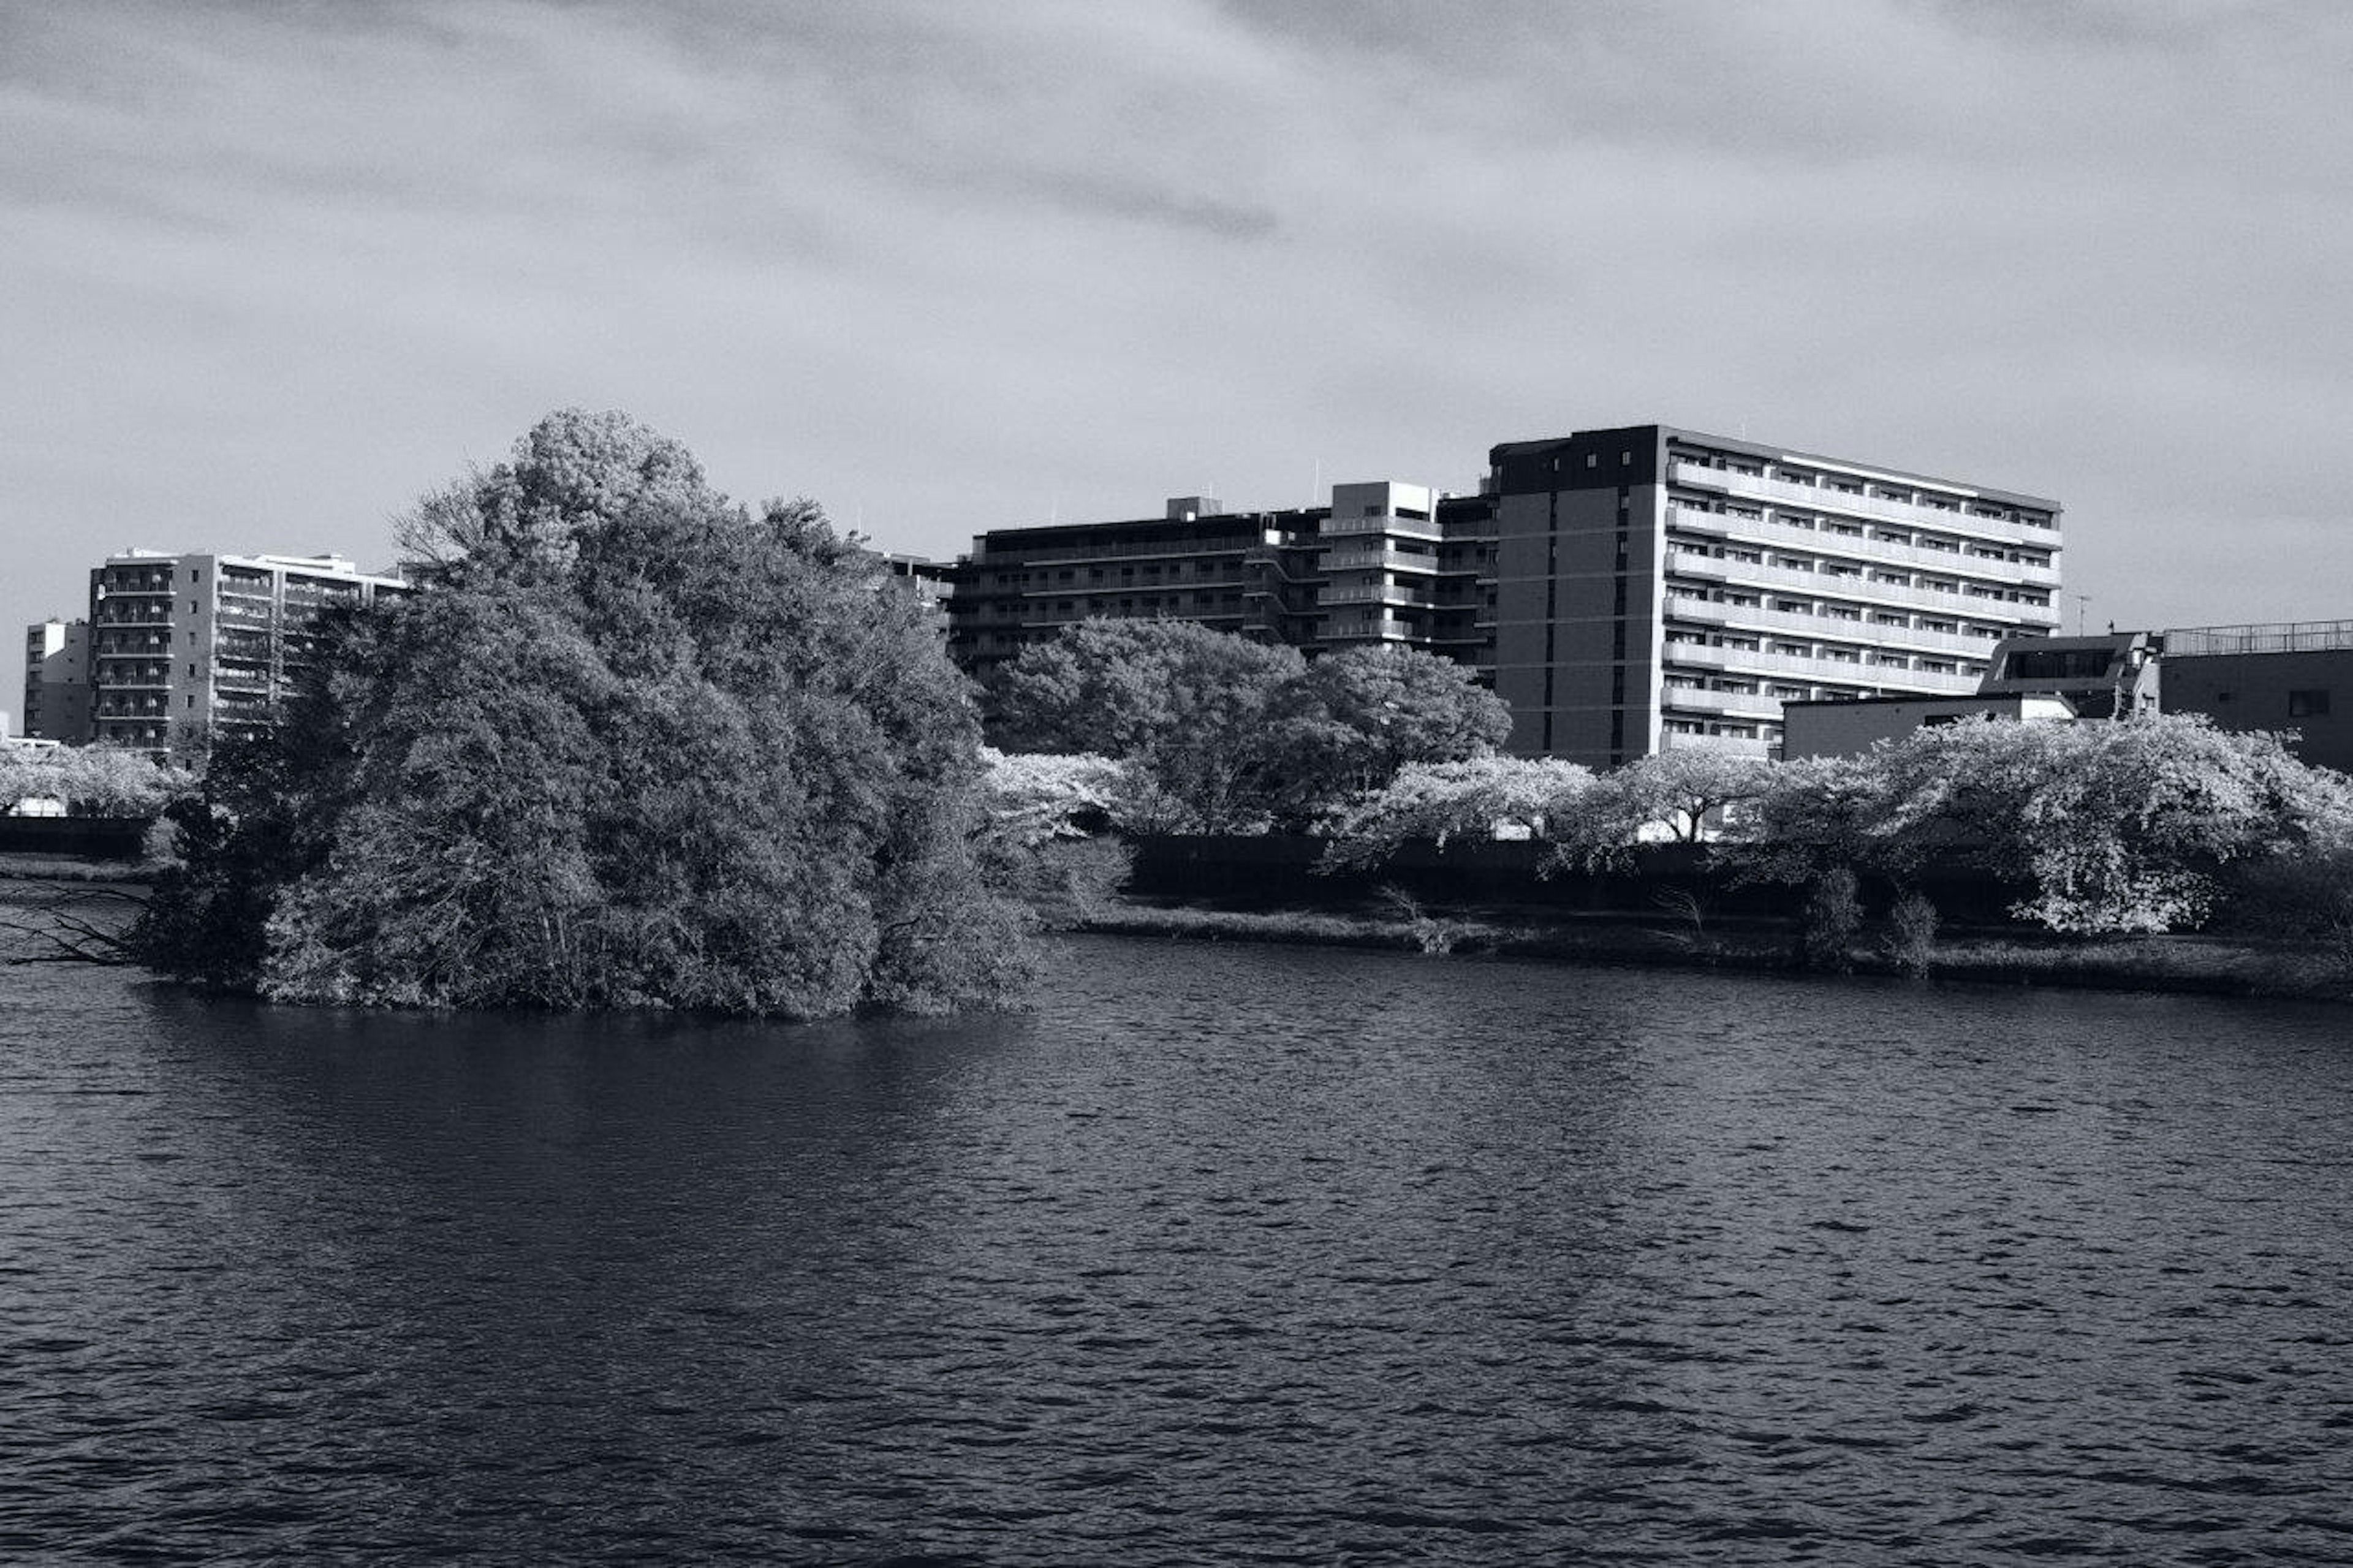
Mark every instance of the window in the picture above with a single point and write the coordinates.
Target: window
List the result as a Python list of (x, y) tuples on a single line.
[(2311, 704)]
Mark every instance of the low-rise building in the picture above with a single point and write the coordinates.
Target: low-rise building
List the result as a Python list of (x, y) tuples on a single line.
[(1848, 727), (2284, 676)]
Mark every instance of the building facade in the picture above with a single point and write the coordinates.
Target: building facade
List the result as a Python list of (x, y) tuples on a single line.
[(1624, 591), (1660, 587), (2287, 675), (57, 681), (192, 645)]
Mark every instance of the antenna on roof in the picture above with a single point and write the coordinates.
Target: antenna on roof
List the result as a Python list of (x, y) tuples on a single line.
[(1316, 486), (2081, 600)]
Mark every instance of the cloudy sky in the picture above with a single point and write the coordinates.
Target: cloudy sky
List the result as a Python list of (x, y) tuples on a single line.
[(268, 272)]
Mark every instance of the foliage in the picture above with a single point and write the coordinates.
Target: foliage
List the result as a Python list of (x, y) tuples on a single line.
[(1833, 920), (635, 746), (1184, 704), (1673, 791), (1438, 802), (1220, 734), (92, 780), (1911, 937), (2301, 897), (1435, 935), (1354, 718), (2113, 826), (1035, 796)]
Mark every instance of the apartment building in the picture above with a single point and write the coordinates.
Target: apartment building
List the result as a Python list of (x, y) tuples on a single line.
[(56, 681), (182, 644), (1249, 572), (1660, 587), (1624, 591), (1385, 563)]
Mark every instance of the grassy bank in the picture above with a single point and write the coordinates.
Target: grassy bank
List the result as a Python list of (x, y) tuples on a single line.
[(2211, 966)]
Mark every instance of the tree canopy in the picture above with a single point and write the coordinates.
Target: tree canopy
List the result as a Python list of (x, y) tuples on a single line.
[(1222, 734), (634, 744)]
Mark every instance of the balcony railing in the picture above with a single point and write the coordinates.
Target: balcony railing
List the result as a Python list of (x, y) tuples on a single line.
[(1710, 612), (1734, 745), (1376, 594), (1371, 560), (1823, 497), (1760, 662), (1852, 546), (1864, 590)]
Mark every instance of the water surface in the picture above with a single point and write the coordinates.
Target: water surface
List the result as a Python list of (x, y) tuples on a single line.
[(1227, 1254)]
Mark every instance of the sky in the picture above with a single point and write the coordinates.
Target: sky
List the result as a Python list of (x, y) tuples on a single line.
[(269, 272)]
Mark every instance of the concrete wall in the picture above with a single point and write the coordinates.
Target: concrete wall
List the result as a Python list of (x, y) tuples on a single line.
[(1849, 729), (2252, 691)]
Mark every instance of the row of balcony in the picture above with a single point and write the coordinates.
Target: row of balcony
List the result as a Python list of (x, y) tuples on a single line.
[(1770, 531), (1754, 618), (1757, 661), (1823, 498), (1864, 590)]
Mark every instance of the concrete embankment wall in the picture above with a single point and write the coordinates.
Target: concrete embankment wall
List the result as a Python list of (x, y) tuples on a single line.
[(93, 837), (1276, 870)]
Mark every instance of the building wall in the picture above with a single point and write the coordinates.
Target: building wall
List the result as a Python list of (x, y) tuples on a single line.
[(2261, 691), (1849, 729), (57, 681), (198, 643)]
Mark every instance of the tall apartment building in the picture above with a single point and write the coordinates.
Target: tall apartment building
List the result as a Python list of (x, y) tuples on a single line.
[(1625, 591), (1659, 587), (56, 681), (208, 643)]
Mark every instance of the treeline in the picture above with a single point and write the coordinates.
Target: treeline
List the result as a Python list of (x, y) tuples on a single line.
[(2146, 824)]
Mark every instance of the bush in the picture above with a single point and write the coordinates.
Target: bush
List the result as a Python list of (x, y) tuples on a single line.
[(1910, 939), (1834, 919)]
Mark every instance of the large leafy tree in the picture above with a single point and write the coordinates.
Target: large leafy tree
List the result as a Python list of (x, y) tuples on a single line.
[(1223, 734), (633, 745), (1471, 798), (1352, 719), (1186, 705)]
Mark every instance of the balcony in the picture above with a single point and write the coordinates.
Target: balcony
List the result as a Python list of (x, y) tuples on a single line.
[(1760, 663), (1388, 523), (1822, 497), (1769, 532), (1732, 745), (1876, 633), (1756, 705), (1863, 590), (1377, 594), (1377, 560)]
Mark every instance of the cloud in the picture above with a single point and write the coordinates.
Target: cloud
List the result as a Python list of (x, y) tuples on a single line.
[(273, 271)]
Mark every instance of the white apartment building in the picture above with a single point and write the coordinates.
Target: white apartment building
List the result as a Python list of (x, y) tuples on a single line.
[(183, 644), (1659, 587)]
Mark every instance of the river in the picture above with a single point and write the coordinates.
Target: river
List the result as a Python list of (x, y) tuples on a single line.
[(1226, 1254)]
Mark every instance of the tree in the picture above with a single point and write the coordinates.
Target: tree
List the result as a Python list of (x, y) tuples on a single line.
[(88, 781), (634, 745), (1186, 705), (1676, 791), (1349, 721), (1438, 802)]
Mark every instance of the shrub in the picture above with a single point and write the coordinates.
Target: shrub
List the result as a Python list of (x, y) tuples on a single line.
[(1834, 919), (1911, 937)]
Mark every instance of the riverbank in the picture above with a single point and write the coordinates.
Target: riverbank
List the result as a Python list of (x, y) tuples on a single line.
[(2191, 963)]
